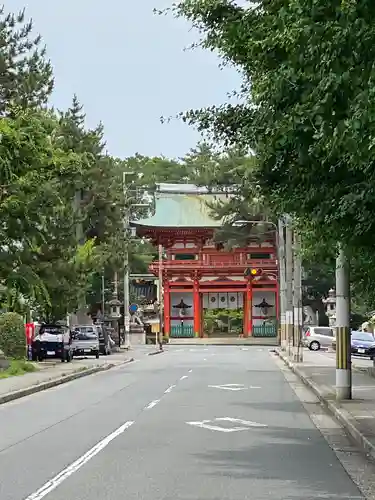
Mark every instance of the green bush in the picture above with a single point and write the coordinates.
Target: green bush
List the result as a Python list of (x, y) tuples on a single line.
[(12, 335)]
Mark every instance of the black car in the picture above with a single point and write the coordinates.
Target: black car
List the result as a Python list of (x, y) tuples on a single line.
[(363, 344), (53, 341)]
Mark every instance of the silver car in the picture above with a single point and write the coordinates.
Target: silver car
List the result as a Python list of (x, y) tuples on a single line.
[(86, 341), (316, 337)]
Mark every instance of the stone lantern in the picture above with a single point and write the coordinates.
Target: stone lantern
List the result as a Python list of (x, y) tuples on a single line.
[(330, 307), (115, 306)]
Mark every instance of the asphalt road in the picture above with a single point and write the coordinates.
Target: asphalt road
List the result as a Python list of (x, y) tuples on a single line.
[(168, 427)]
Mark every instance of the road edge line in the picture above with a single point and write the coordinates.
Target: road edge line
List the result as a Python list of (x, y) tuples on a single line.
[(339, 413), (28, 391)]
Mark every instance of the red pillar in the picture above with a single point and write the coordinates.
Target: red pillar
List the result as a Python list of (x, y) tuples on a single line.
[(245, 315), (249, 301), (197, 310), (167, 310)]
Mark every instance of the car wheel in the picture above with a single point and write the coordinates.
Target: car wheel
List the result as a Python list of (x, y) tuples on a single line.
[(314, 346)]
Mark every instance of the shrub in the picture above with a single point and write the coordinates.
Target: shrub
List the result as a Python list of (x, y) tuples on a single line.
[(12, 335)]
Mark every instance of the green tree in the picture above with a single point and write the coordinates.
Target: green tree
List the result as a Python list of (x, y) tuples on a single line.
[(33, 208), (26, 76), (306, 109)]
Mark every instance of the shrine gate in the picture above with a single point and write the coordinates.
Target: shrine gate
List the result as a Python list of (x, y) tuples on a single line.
[(200, 276)]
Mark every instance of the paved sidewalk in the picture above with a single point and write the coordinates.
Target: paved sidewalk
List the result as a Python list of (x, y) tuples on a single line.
[(358, 415), (52, 370)]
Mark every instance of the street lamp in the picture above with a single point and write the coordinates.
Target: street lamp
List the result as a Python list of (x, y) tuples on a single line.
[(132, 232)]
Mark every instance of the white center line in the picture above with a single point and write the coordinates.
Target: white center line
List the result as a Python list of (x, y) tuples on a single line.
[(169, 389), (75, 466), (190, 371), (183, 377), (152, 404)]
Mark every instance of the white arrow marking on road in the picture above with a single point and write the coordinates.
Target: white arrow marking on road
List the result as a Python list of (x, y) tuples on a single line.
[(207, 424), (249, 423), (233, 387), (204, 425)]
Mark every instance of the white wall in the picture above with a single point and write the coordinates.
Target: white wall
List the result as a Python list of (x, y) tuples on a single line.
[(188, 300), (222, 300), (258, 296)]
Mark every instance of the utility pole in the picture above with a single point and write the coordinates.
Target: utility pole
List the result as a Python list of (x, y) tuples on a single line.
[(161, 299), (289, 282), (81, 298), (297, 300), (126, 260), (343, 343), (282, 284), (103, 295)]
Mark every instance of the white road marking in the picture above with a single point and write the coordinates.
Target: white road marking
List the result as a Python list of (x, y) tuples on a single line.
[(204, 425), (183, 377), (244, 348), (75, 466), (207, 424), (204, 359), (233, 387), (248, 423), (169, 389), (152, 404), (190, 371)]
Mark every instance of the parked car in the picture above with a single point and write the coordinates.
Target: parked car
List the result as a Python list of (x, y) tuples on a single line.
[(362, 344), (53, 341), (102, 334), (85, 342), (316, 337)]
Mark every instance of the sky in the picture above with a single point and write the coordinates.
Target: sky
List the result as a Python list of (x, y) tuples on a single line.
[(128, 67)]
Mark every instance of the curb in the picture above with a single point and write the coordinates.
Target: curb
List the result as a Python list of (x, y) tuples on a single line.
[(340, 414), (21, 393)]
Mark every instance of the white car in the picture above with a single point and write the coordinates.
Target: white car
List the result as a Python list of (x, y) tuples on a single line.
[(316, 337)]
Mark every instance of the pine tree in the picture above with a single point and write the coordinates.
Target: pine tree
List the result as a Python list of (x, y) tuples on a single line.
[(26, 77)]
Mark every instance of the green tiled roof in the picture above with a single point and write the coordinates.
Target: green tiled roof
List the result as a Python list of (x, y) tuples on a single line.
[(182, 210)]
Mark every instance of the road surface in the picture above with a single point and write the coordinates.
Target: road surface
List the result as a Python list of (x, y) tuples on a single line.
[(215, 423)]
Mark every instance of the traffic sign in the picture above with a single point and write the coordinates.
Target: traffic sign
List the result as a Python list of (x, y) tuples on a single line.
[(133, 308)]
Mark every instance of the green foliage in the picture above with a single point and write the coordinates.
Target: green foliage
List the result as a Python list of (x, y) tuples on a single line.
[(18, 367), (26, 76), (307, 109), (12, 335)]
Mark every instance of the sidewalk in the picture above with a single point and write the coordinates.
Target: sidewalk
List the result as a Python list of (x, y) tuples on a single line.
[(358, 415), (52, 373)]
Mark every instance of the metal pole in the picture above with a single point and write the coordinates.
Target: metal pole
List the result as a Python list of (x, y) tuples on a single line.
[(282, 286), (160, 298), (289, 283), (103, 296), (297, 299), (343, 344), (126, 263)]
